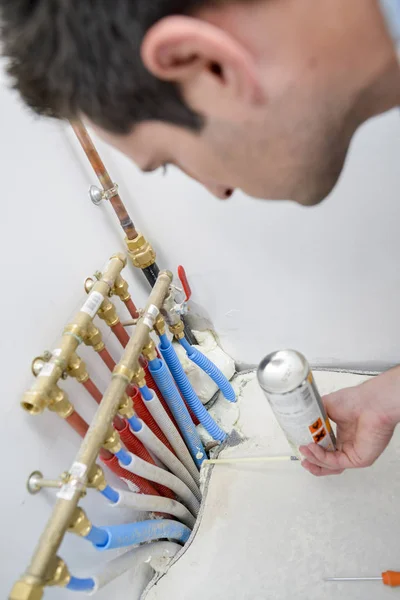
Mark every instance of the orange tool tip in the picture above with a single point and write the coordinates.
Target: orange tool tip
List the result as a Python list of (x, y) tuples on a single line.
[(391, 578)]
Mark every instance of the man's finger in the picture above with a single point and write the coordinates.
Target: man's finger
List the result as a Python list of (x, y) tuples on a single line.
[(335, 461), (319, 471)]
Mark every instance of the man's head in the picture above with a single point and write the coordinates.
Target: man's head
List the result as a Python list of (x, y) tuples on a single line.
[(262, 95)]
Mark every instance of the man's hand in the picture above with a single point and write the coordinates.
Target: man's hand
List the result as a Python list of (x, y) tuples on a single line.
[(366, 417)]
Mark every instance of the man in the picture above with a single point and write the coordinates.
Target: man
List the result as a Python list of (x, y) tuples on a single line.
[(262, 95)]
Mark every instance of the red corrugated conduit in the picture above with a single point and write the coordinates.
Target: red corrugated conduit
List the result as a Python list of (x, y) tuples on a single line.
[(107, 359), (136, 447), (144, 486), (143, 413), (93, 390)]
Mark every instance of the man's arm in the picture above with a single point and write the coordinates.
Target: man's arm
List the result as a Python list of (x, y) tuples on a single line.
[(366, 417)]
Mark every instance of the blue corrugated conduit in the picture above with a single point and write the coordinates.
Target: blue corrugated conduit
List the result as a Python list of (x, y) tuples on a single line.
[(212, 371), (167, 387), (111, 494), (81, 585), (168, 352), (131, 534)]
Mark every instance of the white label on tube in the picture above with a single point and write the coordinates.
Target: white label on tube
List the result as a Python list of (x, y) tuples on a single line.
[(47, 370), (92, 304), (75, 483)]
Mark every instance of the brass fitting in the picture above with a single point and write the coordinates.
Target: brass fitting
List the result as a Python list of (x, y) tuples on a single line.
[(141, 252), (108, 313), (75, 330), (139, 377), (60, 403), (149, 351), (121, 289), (80, 524), (113, 441), (77, 369), (126, 407), (27, 589), (178, 330), (60, 575), (96, 478), (159, 325), (94, 338), (124, 372), (35, 402)]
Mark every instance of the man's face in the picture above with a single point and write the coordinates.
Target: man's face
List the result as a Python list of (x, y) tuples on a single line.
[(278, 118)]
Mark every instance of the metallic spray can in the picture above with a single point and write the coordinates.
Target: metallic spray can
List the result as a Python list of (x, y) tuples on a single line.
[(287, 381)]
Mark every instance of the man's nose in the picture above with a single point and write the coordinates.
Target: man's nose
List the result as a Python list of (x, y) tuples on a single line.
[(219, 190)]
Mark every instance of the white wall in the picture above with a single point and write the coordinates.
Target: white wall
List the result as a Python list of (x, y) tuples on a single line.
[(323, 280)]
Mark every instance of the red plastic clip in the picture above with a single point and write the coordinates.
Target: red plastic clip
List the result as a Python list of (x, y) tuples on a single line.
[(185, 283)]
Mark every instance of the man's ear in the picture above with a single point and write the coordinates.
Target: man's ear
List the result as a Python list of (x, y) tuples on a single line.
[(186, 51)]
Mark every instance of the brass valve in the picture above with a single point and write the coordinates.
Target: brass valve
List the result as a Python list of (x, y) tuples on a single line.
[(96, 478), (94, 338), (80, 524), (77, 369), (139, 377), (108, 313), (149, 351), (159, 325), (126, 407), (141, 252), (178, 330), (113, 441), (60, 403), (121, 289)]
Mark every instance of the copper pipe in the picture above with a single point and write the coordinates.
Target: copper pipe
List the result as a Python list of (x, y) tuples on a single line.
[(77, 423), (93, 390), (133, 311), (121, 334), (107, 359), (104, 178)]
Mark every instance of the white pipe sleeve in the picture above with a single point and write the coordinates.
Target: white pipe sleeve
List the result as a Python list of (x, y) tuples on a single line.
[(152, 443), (163, 420), (159, 504), (157, 555), (148, 471)]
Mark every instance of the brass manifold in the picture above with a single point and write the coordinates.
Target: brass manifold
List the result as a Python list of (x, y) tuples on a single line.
[(45, 567), (64, 358)]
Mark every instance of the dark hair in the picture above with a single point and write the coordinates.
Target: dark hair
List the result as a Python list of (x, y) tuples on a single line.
[(68, 57)]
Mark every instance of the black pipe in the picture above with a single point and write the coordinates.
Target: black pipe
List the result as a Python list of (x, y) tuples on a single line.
[(151, 273)]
